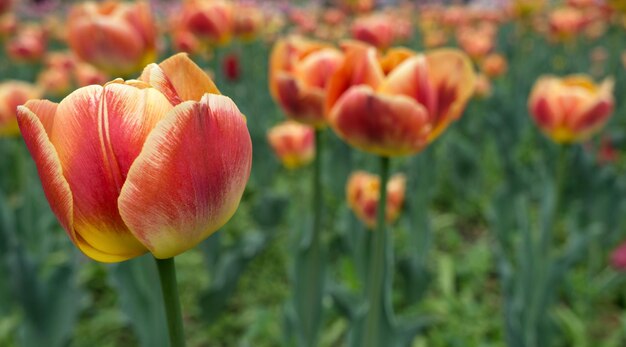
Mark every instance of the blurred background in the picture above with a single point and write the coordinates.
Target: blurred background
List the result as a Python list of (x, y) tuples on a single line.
[(471, 267)]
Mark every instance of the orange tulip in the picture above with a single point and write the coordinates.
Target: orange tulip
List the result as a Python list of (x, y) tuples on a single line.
[(377, 30), (293, 143), (566, 22), (28, 45), (363, 194), (13, 94), (477, 41), (397, 109), (118, 38), (494, 65), (571, 109), (299, 72), (127, 171), (208, 20), (248, 20)]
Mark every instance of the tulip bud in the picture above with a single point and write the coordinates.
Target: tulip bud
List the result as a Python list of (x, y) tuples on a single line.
[(28, 45), (494, 65), (293, 143), (571, 109), (363, 194)]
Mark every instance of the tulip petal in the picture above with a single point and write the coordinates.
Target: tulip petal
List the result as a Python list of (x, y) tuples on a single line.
[(98, 132), (453, 77), (190, 176), (179, 79), (387, 125), (55, 186), (360, 67), (304, 104)]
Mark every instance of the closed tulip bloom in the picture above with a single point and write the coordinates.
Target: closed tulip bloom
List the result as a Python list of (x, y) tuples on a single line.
[(566, 22), (393, 110), (494, 65), (248, 20), (571, 109), (29, 44), (363, 194), (13, 94), (293, 143), (126, 171), (299, 73), (118, 38)]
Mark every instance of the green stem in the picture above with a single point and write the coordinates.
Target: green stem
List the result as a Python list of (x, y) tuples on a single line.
[(167, 275), (379, 267)]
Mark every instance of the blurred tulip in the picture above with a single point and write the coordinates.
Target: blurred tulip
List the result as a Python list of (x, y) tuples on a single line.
[(358, 6), (434, 38), (8, 25), (211, 21), (126, 171), (377, 30), (55, 82), (29, 44), (13, 94), (86, 74), (118, 38), (571, 109), (299, 72), (400, 112), (248, 20), (566, 22), (494, 65), (483, 86), (527, 8), (231, 67), (293, 143), (477, 41), (618, 257), (363, 194)]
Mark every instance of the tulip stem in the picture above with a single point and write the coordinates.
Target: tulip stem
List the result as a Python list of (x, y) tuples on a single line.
[(380, 257), (167, 275)]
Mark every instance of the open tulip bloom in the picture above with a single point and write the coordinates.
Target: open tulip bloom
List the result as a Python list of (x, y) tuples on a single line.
[(156, 164), (390, 106)]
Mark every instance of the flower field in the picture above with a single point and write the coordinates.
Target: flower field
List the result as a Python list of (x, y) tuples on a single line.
[(330, 173)]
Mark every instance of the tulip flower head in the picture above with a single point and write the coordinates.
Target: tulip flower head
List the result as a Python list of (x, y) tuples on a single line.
[(293, 143), (571, 109), (210, 21), (118, 38), (299, 73), (156, 164), (13, 94), (397, 108), (494, 65), (363, 194)]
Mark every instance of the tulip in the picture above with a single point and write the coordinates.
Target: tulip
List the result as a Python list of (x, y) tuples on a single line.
[(118, 38), (363, 194), (397, 110), (248, 20), (211, 21), (478, 41), (494, 65), (377, 30), (28, 45), (293, 143), (571, 109), (231, 67), (13, 94), (299, 72), (153, 165), (618, 257), (566, 22)]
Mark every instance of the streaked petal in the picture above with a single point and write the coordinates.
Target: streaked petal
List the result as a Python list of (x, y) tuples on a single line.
[(98, 132), (301, 103), (189, 177), (387, 125)]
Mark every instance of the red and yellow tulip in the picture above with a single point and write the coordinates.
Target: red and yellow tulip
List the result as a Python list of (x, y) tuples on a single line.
[(363, 194), (571, 109), (398, 104), (299, 73), (293, 143), (118, 38), (156, 164)]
